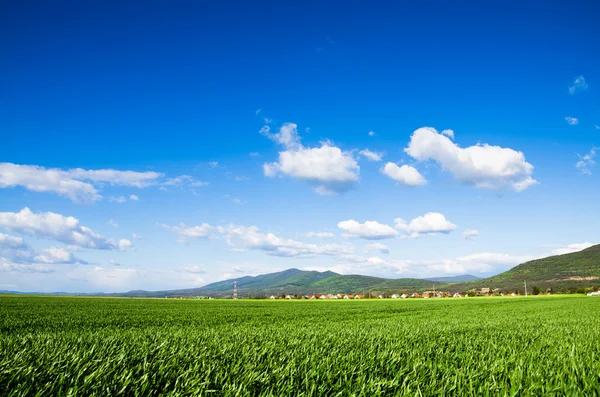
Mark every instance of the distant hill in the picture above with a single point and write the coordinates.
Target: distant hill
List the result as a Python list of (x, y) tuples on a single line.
[(300, 282), (560, 272), (455, 279)]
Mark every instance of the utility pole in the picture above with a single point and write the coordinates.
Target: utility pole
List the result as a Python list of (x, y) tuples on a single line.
[(525, 289), (234, 289)]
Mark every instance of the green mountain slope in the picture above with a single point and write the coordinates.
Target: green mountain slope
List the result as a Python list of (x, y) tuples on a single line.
[(560, 272)]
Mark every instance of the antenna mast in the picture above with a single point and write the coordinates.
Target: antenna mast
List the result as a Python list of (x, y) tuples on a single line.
[(234, 289)]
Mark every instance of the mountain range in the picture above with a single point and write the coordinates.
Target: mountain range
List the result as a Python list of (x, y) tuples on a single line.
[(560, 272)]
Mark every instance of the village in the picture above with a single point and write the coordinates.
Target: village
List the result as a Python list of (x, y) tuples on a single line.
[(424, 295)]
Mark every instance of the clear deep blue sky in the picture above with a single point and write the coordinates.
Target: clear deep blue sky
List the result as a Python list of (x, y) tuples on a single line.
[(168, 87)]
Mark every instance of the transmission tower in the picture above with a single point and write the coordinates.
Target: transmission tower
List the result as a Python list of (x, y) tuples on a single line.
[(234, 289)]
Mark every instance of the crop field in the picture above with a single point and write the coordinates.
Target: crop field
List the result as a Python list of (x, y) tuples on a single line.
[(463, 347)]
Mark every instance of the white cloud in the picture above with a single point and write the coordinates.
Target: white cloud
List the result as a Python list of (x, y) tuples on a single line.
[(405, 175), (184, 180), (57, 227), (470, 234), (448, 133), (370, 230), (327, 167), (250, 237), (196, 269), (7, 241), (184, 231), (371, 133), (476, 263), (586, 162), (76, 184), (15, 250), (597, 126), (24, 268), (579, 84), (428, 224), (136, 236), (120, 199), (320, 234), (571, 120), (133, 197), (113, 224), (254, 154), (54, 255), (371, 156), (382, 248), (213, 164), (569, 249), (484, 166)]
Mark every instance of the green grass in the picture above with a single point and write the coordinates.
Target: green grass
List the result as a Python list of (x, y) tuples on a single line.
[(463, 347)]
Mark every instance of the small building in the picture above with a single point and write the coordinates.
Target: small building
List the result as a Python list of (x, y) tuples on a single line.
[(323, 297), (289, 297), (415, 295), (348, 296), (395, 296), (272, 297), (403, 296), (380, 296), (339, 296), (457, 295), (357, 296)]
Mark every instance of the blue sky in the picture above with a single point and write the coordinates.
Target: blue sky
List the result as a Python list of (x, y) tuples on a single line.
[(173, 145)]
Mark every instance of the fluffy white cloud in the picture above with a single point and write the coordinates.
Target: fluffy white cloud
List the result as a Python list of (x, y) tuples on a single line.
[(287, 135), (405, 175), (320, 234), (571, 120), (371, 133), (569, 249), (133, 197), (54, 255), (428, 224), (76, 184), (15, 250), (579, 84), (476, 263), (448, 133), (371, 156), (184, 231), (113, 223), (484, 166), (250, 237), (57, 227), (586, 162), (7, 241), (327, 167), (377, 247), (470, 234), (370, 230)]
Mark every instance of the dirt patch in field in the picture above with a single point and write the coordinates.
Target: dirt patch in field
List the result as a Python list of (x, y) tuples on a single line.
[(583, 278)]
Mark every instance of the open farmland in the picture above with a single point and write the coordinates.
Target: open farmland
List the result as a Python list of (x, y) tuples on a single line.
[(465, 347)]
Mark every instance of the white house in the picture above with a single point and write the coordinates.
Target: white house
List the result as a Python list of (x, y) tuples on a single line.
[(272, 297), (395, 296), (597, 293), (289, 297), (403, 296), (457, 295)]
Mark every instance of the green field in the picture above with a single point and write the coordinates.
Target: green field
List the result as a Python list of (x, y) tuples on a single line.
[(463, 347)]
